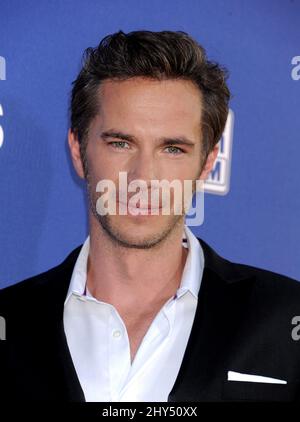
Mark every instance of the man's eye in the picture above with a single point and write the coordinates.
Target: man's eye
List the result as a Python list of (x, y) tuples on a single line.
[(119, 144), (174, 150)]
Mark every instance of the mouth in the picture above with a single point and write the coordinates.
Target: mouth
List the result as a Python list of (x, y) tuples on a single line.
[(146, 210)]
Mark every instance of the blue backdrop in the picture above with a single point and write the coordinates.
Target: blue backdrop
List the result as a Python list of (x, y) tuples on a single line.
[(43, 208)]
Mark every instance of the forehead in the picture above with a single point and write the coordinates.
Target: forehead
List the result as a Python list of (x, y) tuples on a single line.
[(148, 101)]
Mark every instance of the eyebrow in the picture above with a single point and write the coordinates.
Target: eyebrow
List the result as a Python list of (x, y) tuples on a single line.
[(178, 140)]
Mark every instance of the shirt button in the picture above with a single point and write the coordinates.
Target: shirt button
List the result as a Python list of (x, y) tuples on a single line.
[(116, 333)]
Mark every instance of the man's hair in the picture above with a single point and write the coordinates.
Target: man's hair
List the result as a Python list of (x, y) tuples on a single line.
[(156, 55)]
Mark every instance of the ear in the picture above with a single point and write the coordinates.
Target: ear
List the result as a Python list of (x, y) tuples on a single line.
[(208, 166), (75, 153)]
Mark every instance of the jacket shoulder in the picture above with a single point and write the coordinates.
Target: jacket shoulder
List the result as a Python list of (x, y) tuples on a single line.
[(270, 292), (267, 276), (31, 286), (262, 280)]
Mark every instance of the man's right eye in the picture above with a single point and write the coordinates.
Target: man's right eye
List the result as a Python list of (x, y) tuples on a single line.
[(119, 144)]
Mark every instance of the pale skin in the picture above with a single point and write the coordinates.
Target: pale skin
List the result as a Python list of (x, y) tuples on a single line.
[(138, 281)]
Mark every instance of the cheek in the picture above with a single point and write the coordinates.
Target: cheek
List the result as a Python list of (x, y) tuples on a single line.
[(101, 170), (98, 164), (182, 170)]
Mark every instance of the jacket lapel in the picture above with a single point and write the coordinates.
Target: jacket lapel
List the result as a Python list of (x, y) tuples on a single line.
[(212, 340), (52, 372), (70, 385)]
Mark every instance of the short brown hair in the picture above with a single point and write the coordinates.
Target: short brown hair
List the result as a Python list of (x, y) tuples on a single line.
[(156, 55)]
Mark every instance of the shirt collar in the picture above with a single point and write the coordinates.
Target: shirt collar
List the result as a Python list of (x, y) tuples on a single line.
[(190, 280), (79, 274), (194, 265)]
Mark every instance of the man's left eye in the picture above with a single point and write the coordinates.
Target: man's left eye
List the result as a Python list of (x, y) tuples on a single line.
[(175, 150)]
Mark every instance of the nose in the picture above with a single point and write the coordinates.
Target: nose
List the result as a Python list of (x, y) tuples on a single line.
[(143, 167)]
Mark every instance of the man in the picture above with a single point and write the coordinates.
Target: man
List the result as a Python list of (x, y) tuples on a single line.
[(143, 310)]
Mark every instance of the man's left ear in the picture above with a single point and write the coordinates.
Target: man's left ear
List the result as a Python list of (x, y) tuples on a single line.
[(211, 158)]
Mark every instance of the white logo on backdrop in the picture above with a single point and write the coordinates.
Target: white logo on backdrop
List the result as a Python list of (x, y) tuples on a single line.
[(218, 181)]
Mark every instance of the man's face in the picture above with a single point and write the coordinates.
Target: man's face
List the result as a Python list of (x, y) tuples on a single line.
[(147, 112)]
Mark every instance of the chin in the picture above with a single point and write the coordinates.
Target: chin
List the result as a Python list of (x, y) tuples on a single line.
[(138, 231)]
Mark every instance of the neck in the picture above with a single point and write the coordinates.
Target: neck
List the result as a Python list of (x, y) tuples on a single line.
[(126, 277)]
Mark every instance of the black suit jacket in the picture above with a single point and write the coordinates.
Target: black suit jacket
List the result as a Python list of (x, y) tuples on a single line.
[(243, 323)]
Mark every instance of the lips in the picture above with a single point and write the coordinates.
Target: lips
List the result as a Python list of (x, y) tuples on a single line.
[(149, 208)]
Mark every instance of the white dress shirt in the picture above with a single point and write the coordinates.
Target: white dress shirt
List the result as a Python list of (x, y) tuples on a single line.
[(98, 340)]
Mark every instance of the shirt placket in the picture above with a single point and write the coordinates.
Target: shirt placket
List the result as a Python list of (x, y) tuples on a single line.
[(118, 354), (151, 346)]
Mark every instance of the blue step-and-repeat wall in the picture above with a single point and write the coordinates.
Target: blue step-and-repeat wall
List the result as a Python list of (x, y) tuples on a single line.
[(252, 204)]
